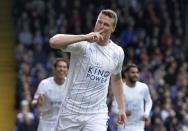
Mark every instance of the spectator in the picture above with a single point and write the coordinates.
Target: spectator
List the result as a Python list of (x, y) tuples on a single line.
[(25, 119)]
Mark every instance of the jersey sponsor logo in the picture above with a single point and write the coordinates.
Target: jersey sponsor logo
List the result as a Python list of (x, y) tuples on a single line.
[(97, 74), (55, 103), (133, 106)]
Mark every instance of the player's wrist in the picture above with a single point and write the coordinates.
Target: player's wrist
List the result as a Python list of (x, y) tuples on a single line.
[(121, 109), (146, 115), (83, 38)]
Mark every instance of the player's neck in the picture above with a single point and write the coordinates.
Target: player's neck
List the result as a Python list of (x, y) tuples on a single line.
[(130, 84), (104, 42), (59, 81)]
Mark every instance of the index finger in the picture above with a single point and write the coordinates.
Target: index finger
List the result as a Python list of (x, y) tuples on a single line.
[(101, 31)]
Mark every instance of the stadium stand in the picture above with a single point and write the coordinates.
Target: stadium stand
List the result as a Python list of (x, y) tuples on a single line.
[(151, 32)]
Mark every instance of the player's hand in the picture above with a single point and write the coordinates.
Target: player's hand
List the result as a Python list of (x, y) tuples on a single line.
[(122, 119), (34, 102), (39, 100), (145, 118), (128, 113), (94, 37)]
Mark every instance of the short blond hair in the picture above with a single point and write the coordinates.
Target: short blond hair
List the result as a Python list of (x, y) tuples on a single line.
[(112, 14)]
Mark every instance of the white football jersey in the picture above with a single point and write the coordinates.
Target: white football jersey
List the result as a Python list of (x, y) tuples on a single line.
[(91, 66), (134, 102), (53, 94)]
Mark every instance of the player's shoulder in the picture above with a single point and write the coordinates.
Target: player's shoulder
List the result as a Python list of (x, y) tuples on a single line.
[(142, 84), (81, 43), (47, 80), (117, 50), (115, 46)]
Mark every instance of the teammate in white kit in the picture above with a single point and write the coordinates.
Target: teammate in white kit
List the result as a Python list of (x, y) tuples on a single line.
[(49, 96), (94, 59), (138, 101)]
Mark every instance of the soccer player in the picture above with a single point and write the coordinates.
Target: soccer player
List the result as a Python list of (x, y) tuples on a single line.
[(94, 60), (138, 102), (49, 96)]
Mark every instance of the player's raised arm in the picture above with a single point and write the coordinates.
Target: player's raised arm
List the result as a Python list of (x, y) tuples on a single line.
[(63, 40)]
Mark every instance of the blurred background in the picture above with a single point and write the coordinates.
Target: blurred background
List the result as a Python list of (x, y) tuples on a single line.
[(153, 34)]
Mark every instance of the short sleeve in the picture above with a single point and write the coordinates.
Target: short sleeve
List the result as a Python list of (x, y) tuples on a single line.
[(120, 58), (40, 90), (76, 48)]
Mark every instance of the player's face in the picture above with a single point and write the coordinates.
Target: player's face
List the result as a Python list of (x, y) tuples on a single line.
[(60, 71), (104, 24), (132, 74)]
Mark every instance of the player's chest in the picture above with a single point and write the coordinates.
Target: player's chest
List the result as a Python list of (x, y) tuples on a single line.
[(100, 58), (134, 95), (55, 94)]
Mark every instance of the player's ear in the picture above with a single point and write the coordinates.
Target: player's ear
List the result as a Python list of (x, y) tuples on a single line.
[(113, 28), (126, 75), (53, 70)]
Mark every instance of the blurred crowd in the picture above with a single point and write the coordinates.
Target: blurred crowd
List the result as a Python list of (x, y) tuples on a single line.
[(151, 32)]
